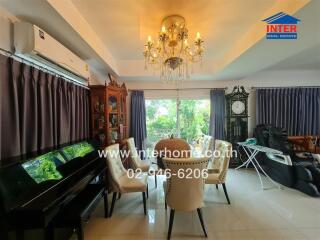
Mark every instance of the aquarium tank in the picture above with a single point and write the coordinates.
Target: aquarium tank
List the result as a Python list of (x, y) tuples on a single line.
[(77, 150), (44, 167)]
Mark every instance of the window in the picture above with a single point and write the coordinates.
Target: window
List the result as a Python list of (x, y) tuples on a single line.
[(188, 119), (194, 118)]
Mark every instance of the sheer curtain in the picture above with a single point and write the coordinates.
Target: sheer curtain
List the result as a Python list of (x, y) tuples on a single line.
[(295, 109), (217, 114), (39, 111), (138, 127)]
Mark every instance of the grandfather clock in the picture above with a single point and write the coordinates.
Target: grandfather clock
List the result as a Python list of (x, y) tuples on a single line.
[(237, 118)]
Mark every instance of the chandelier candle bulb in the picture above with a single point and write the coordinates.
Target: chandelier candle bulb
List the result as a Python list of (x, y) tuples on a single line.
[(172, 54)]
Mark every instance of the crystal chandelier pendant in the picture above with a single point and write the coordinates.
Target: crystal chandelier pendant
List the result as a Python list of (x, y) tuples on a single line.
[(172, 55)]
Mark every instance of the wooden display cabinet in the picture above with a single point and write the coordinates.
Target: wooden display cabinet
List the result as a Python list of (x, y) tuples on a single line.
[(109, 113)]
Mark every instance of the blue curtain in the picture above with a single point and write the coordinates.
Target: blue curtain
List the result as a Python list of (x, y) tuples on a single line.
[(138, 128), (295, 109), (217, 114)]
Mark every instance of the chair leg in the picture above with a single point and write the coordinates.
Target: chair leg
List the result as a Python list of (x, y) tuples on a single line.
[(79, 230), (165, 203), (119, 196), (147, 190), (170, 223), (225, 192), (49, 233), (217, 186), (4, 229), (106, 204), (155, 180), (114, 196), (144, 203), (3, 233), (20, 234), (202, 222)]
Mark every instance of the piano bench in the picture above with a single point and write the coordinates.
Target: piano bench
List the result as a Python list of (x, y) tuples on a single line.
[(79, 210)]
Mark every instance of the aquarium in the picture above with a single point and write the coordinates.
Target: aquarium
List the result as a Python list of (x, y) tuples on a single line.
[(77, 150), (44, 167)]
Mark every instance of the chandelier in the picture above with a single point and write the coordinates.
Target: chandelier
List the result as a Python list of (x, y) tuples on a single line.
[(171, 54)]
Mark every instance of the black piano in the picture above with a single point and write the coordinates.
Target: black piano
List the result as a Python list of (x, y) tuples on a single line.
[(35, 192)]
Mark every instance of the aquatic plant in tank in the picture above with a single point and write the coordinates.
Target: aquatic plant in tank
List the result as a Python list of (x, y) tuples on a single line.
[(44, 167), (77, 150)]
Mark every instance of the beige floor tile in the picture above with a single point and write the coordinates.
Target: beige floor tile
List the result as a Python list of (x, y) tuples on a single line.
[(253, 214), (310, 233)]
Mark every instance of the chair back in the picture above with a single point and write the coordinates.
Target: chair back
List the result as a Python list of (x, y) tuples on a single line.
[(206, 145), (173, 148), (115, 166), (222, 155), (185, 185), (133, 154)]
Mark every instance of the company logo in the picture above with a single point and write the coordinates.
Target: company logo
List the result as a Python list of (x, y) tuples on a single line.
[(281, 26)]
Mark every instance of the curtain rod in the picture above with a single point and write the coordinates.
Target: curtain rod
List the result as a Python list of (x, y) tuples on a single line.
[(22, 60), (286, 87), (176, 89)]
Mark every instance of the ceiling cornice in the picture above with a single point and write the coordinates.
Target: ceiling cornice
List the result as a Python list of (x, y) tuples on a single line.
[(72, 16)]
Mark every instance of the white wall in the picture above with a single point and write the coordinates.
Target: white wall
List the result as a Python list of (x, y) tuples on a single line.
[(6, 43), (262, 79), (6, 31)]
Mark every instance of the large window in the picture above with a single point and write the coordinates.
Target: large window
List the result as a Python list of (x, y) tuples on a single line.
[(188, 119)]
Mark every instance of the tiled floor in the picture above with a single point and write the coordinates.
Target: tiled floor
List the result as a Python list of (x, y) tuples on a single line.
[(253, 214)]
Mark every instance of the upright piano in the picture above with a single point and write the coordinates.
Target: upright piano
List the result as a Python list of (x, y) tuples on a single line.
[(32, 193)]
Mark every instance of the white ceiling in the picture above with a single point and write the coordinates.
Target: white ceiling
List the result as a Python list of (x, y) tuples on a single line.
[(124, 25), (110, 34), (304, 60), (40, 12)]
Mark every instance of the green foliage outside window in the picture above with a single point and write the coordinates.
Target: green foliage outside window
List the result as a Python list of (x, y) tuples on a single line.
[(162, 119)]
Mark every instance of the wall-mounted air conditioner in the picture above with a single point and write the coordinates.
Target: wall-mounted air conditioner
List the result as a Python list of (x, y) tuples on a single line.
[(33, 43)]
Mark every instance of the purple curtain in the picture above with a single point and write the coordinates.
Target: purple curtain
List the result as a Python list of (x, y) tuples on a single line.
[(217, 114), (295, 109), (138, 128), (39, 111)]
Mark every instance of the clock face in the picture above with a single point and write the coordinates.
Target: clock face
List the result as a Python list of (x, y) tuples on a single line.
[(238, 107)]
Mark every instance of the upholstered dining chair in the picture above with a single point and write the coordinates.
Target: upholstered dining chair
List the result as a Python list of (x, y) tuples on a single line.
[(206, 144), (218, 173), (120, 181), (137, 163), (171, 148), (184, 192)]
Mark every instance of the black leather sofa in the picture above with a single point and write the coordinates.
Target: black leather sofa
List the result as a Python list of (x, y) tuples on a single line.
[(300, 171)]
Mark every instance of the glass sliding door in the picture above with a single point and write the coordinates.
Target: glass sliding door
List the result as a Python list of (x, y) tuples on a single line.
[(186, 118), (194, 118), (161, 120)]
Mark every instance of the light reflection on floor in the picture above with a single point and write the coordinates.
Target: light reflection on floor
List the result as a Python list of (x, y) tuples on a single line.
[(253, 214)]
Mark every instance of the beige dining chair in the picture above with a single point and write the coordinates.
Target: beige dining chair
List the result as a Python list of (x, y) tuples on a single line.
[(184, 192), (218, 173), (136, 162), (171, 148), (206, 144), (120, 180)]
